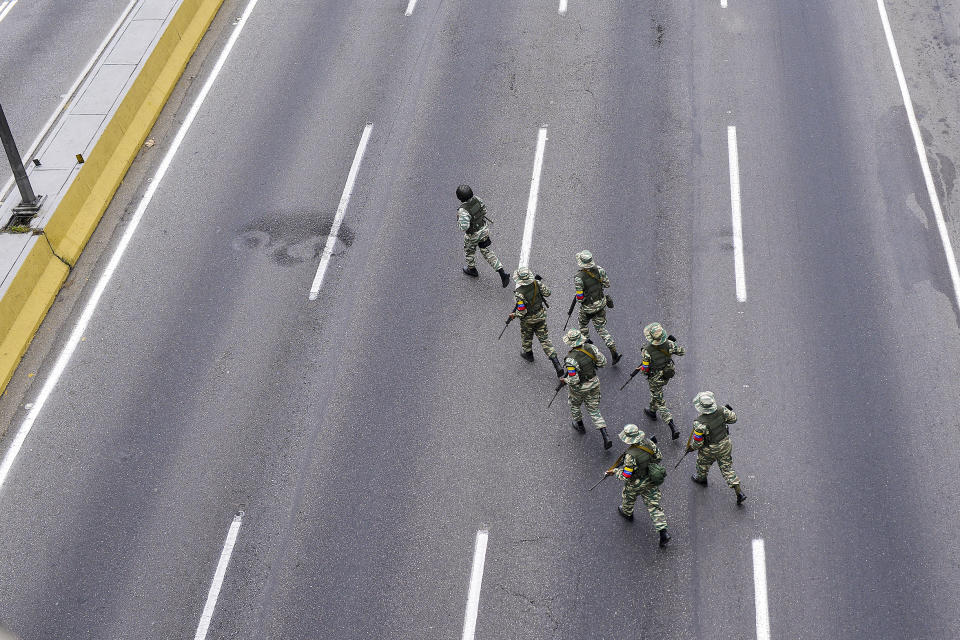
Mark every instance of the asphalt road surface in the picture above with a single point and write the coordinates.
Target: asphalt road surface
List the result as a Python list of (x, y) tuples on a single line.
[(44, 46), (367, 436)]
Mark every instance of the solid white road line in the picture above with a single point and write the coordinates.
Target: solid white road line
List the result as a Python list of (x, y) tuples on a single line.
[(6, 9), (341, 210), (760, 590), (735, 214), (922, 153), (476, 577), (68, 96), (413, 3), (532, 200), (563, 7), (218, 576), (723, 4), (91, 306)]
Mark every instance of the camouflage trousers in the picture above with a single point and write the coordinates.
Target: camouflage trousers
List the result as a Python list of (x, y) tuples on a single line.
[(650, 493), (657, 383), (536, 324), (721, 453), (590, 398), (470, 248), (599, 319)]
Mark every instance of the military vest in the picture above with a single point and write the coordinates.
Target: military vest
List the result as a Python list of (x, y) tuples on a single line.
[(716, 423), (592, 287), (586, 364), (478, 217), (642, 459), (532, 296), (659, 355)]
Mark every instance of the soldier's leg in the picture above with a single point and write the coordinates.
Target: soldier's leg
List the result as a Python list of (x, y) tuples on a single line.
[(725, 462), (526, 337), (574, 400), (651, 498), (583, 319), (591, 400), (543, 335), (600, 323), (491, 258), (629, 496), (704, 460), (657, 383), (470, 250)]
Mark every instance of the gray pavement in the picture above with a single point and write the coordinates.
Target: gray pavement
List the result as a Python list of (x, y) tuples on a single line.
[(44, 46), (368, 436)]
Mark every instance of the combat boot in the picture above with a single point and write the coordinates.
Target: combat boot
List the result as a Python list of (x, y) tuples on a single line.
[(504, 278), (578, 426), (616, 355), (650, 414), (664, 538), (624, 515), (606, 441), (673, 429), (741, 496), (701, 481), (556, 365), (527, 355), (471, 271)]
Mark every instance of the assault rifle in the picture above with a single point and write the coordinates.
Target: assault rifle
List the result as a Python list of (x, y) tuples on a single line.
[(507, 323), (570, 312), (608, 473), (637, 370), (556, 392)]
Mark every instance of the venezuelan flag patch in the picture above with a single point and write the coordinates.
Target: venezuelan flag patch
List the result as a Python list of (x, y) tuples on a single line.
[(571, 371), (628, 472), (521, 306), (579, 295), (697, 436)]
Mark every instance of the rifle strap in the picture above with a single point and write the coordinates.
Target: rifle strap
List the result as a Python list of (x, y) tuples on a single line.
[(618, 462), (582, 350)]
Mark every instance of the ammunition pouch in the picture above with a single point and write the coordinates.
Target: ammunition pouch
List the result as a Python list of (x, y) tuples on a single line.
[(610, 302), (656, 473), (486, 242)]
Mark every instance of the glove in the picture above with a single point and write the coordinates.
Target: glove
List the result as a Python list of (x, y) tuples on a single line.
[(610, 302)]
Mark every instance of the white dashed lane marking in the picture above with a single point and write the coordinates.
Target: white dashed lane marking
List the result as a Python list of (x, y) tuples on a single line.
[(476, 577), (760, 590), (532, 200)]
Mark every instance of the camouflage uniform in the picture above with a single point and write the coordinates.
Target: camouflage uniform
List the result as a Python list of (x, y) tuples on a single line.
[(583, 390), (590, 283), (475, 232), (633, 469), (533, 312), (710, 438), (659, 367)]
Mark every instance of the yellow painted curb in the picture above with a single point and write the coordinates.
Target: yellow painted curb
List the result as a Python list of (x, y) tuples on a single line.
[(78, 213)]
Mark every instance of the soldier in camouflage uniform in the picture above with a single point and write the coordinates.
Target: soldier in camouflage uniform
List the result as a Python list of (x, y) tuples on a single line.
[(472, 218), (710, 438), (531, 308), (583, 384), (632, 468), (590, 282), (658, 366)]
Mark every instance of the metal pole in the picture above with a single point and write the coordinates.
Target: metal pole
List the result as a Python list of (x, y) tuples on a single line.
[(28, 199)]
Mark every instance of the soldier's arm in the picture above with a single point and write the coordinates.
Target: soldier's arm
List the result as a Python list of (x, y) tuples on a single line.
[(729, 416), (676, 349), (628, 461), (578, 286), (601, 359), (572, 374), (604, 280), (658, 455), (544, 289), (700, 431), (463, 219), (521, 305)]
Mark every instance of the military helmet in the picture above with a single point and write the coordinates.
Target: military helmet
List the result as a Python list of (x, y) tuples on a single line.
[(574, 338), (464, 192), (705, 402), (654, 333), (585, 259), (631, 434), (523, 276)]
